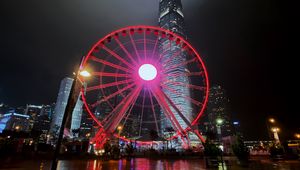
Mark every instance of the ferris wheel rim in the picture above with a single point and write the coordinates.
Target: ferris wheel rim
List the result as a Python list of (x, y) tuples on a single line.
[(196, 119)]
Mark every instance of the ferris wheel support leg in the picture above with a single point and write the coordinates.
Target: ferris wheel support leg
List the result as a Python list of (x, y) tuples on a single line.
[(118, 117), (99, 139), (168, 113), (196, 131)]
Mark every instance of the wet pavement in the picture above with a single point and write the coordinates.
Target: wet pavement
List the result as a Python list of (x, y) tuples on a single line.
[(146, 164)]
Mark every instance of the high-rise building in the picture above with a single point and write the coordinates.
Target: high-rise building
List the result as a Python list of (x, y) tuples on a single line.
[(171, 18), (218, 108), (86, 126), (61, 103), (33, 111), (14, 121)]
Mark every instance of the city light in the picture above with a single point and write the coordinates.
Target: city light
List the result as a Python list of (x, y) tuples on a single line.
[(85, 73), (219, 121), (147, 72), (275, 129), (120, 128), (297, 135), (17, 127), (271, 120), (236, 123)]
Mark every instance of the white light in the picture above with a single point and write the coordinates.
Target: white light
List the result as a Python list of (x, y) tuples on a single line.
[(85, 73), (147, 72)]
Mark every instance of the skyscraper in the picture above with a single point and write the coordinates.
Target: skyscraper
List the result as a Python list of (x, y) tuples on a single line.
[(171, 18), (61, 103), (218, 107)]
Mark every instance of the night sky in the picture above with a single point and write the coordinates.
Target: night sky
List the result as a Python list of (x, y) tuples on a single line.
[(247, 46)]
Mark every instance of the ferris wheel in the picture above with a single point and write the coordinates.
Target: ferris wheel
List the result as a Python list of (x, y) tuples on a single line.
[(144, 78)]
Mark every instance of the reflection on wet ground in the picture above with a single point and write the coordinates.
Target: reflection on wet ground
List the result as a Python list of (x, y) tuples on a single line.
[(146, 164)]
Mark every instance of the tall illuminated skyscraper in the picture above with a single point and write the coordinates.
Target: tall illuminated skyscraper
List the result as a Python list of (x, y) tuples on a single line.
[(218, 108), (61, 103), (171, 18)]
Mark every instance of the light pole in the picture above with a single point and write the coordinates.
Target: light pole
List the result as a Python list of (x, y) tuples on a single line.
[(72, 99), (219, 123), (119, 133), (275, 131), (270, 122)]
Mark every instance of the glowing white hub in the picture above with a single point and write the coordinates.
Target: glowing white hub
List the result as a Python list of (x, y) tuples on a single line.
[(147, 72)]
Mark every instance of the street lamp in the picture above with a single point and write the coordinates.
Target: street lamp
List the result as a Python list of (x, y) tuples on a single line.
[(297, 135), (17, 128), (85, 73), (74, 93), (271, 120), (275, 131), (119, 133), (219, 123)]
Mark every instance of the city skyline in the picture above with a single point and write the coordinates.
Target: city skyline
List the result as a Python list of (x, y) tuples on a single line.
[(241, 52)]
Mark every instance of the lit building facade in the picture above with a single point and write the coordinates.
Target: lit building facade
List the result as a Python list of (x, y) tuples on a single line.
[(171, 18), (14, 121), (61, 103), (218, 108)]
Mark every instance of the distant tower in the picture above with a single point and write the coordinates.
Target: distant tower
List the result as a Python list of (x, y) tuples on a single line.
[(61, 103), (171, 18), (218, 107)]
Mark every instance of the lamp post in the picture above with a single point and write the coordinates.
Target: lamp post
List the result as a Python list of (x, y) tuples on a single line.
[(270, 122), (119, 133), (219, 123), (72, 99), (275, 131)]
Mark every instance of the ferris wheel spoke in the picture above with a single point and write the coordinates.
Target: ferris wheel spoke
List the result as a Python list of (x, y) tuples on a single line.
[(201, 88), (185, 74), (128, 113), (135, 48), (196, 131), (142, 114), (173, 56), (167, 110), (105, 122), (197, 103), (102, 86), (107, 74), (112, 95), (121, 112), (117, 56), (110, 64), (187, 122), (166, 51), (153, 111), (180, 64), (125, 50), (145, 47), (155, 47)]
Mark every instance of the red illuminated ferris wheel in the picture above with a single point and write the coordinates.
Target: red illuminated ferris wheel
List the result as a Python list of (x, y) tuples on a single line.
[(139, 74)]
